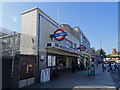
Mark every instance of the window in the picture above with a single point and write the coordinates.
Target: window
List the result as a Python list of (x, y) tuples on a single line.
[(51, 60), (74, 46), (69, 44), (56, 41), (63, 42)]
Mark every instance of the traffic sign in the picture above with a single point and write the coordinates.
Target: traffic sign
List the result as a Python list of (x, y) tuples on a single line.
[(59, 34), (82, 47)]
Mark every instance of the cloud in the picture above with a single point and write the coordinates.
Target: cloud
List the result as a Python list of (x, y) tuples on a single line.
[(14, 19)]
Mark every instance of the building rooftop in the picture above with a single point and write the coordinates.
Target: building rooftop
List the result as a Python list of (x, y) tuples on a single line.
[(36, 8)]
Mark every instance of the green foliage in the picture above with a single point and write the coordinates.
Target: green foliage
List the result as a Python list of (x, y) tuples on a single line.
[(100, 52)]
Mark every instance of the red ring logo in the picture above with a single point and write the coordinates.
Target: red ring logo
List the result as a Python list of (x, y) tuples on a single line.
[(62, 37)]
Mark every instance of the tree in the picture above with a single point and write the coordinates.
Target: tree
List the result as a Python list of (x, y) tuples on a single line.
[(101, 52)]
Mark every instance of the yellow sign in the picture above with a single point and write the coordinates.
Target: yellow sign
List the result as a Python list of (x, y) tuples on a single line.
[(30, 65)]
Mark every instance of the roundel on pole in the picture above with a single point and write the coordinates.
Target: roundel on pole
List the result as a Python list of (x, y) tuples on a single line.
[(59, 34), (82, 47)]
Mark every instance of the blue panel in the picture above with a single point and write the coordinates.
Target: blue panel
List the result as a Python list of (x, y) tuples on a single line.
[(59, 34), (56, 45), (38, 34), (49, 44)]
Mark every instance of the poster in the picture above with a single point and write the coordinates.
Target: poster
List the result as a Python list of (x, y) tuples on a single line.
[(49, 60)]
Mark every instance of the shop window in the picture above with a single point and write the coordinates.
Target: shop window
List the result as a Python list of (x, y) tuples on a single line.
[(61, 63), (51, 61)]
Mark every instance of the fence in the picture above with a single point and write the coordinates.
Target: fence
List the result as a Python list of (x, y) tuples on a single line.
[(14, 42)]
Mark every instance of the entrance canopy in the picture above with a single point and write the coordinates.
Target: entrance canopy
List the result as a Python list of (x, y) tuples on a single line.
[(62, 50)]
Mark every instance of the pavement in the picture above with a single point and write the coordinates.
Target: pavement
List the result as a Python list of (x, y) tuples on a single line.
[(116, 77), (81, 80)]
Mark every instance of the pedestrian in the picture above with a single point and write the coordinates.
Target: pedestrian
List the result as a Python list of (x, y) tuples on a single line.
[(73, 64), (107, 66), (87, 63), (110, 67), (53, 73), (104, 66), (89, 71), (97, 63), (81, 65), (116, 66), (91, 68)]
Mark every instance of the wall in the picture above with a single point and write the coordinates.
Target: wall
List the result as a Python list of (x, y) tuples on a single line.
[(76, 33), (28, 32), (28, 44), (29, 23)]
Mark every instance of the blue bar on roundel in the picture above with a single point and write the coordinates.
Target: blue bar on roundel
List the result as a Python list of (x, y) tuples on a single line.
[(59, 34)]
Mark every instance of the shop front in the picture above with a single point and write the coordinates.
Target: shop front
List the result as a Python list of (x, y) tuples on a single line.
[(59, 63)]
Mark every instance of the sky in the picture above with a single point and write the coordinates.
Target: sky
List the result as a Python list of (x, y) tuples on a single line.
[(97, 20)]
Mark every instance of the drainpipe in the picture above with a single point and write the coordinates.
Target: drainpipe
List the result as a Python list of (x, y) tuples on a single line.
[(13, 54)]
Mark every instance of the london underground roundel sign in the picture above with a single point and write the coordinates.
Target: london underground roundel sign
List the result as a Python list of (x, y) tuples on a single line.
[(59, 34), (82, 47)]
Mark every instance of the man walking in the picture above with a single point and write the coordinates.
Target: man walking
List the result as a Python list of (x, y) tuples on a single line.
[(73, 64), (110, 67), (116, 66)]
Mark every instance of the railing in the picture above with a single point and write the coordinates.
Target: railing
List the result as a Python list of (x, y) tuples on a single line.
[(4, 31)]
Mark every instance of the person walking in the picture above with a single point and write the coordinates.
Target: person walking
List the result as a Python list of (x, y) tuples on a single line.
[(110, 67), (116, 66), (81, 65), (73, 64), (97, 63), (91, 68), (87, 63), (104, 65)]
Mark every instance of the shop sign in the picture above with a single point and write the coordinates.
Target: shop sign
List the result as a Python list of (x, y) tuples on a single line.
[(81, 47), (59, 34)]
